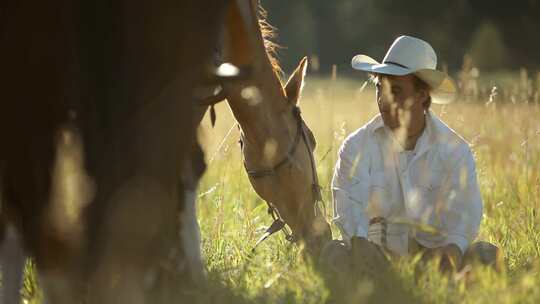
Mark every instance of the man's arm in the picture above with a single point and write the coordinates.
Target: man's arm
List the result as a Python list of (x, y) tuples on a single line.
[(350, 188), (462, 212)]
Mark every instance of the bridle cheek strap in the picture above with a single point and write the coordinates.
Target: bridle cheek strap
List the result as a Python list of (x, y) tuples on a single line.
[(279, 223)]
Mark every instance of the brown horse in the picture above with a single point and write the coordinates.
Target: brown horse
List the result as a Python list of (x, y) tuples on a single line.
[(277, 144), (95, 125)]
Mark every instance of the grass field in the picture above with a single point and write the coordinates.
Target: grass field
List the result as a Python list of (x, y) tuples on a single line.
[(505, 138)]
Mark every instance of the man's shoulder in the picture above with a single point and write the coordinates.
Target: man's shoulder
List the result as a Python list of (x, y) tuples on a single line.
[(450, 142)]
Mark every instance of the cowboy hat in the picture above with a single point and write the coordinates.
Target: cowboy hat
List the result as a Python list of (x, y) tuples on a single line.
[(410, 55)]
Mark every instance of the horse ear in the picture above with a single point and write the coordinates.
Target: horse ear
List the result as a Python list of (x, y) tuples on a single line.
[(294, 85)]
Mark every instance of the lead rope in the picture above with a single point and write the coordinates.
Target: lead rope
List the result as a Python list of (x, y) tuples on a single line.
[(315, 187)]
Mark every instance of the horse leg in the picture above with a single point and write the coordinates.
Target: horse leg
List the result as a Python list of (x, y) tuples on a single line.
[(191, 236), (189, 227), (13, 259)]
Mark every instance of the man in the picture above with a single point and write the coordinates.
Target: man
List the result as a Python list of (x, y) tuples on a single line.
[(405, 181)]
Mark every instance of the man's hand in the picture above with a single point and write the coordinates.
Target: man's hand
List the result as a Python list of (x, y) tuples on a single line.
[(450, 257)]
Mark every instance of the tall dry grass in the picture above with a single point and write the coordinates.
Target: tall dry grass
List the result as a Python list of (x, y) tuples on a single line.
[(504, 132)]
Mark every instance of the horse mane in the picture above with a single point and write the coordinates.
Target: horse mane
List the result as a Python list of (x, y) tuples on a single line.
[(268, 33)]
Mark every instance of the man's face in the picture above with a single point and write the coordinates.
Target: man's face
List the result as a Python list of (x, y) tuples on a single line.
[(400, 103)]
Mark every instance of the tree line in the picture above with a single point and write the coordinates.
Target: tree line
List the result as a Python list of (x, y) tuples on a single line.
[(497, 35)]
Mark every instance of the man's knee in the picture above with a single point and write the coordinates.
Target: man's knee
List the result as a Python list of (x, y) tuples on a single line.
[(484, 253), (335, 255)]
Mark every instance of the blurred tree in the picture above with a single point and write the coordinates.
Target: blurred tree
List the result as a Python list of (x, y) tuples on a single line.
[(487, 48)]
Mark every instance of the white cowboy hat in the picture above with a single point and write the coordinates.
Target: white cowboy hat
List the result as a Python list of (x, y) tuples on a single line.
[(410, 55)]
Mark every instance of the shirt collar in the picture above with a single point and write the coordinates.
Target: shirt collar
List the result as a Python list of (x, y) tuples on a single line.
[(429, 136)]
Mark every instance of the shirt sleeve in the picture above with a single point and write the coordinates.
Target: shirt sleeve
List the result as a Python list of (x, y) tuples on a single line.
[(350, 188), (463, 212)]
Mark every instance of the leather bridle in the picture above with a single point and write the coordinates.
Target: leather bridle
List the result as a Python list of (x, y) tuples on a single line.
[(279, 223)]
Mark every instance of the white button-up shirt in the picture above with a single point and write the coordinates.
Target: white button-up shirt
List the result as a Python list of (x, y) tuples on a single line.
[(430, 194)]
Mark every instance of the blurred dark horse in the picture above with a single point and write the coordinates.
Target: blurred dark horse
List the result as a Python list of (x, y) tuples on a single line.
[(96, 124)]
